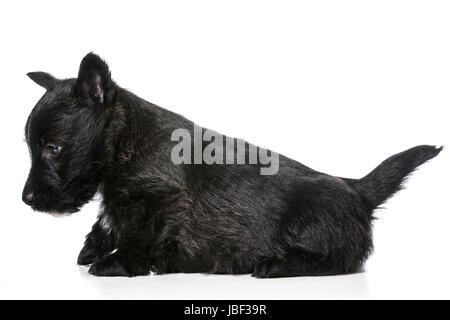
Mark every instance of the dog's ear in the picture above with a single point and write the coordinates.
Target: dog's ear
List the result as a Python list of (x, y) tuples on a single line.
[(94, 80), (43, 79)]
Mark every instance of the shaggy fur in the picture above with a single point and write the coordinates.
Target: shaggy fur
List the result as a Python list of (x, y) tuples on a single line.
[(88, 134)]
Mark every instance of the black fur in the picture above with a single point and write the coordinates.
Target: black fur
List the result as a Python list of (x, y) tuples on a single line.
[(88, 134)]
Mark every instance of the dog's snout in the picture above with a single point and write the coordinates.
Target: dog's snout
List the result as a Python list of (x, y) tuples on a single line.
[(27, 197)]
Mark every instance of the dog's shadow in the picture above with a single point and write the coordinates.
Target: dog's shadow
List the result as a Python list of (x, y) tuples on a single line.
[(201, 286)]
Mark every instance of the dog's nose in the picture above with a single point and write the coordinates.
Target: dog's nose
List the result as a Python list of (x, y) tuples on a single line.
[(27, 197)]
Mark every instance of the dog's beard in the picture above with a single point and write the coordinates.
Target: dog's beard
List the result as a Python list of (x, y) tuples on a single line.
[(58, 214), (63, 211)]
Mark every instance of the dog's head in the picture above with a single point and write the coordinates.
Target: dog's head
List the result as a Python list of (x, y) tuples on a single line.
[(65, 137)]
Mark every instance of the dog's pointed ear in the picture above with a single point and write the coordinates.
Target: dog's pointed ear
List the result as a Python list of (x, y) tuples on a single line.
[(43, 79), (94, 80)]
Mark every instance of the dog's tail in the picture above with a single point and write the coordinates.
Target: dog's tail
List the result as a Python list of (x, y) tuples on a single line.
[(386, 179)]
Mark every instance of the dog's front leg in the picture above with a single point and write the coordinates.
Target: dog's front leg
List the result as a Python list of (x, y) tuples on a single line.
[(138, 225), (99, 242)]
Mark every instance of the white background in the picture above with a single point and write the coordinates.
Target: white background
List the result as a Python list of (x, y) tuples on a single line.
[(336, 85)]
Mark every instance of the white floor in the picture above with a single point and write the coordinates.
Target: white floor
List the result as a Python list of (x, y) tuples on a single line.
[(64, 280)]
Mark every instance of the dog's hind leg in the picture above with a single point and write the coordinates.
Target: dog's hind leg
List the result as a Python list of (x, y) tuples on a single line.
[(301, 264), (99, 242), (326, 230)]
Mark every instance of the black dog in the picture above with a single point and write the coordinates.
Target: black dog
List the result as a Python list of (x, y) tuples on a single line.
[(88, 134)]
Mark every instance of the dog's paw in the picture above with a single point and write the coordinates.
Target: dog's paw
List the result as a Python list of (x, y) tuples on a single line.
[(108, 266), (88, 255), (115, 265)]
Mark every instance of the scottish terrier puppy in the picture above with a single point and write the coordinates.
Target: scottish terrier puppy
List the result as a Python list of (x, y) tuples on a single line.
[(162, 215)]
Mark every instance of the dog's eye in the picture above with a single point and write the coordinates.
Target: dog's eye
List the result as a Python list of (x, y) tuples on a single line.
[(52, 149)]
